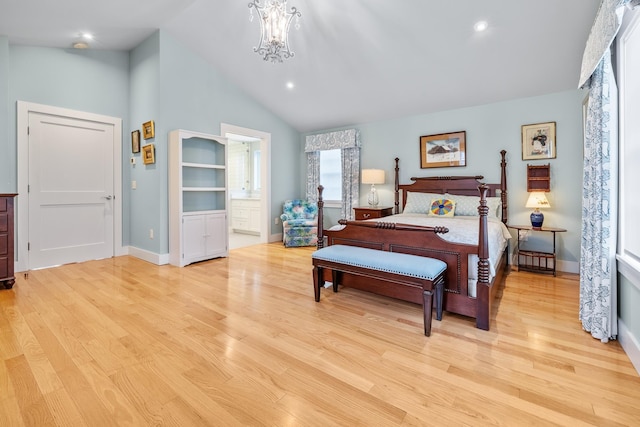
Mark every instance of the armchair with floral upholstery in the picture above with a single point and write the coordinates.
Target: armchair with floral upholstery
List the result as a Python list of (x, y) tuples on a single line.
[(299, 223)]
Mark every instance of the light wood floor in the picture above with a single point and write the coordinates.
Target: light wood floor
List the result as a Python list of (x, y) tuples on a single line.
[(241, 341)]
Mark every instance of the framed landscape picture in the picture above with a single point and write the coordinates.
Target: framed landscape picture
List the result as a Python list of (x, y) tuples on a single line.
[(443, 150), (539, 141)]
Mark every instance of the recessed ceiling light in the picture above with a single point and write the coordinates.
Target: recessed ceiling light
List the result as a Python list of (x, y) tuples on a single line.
[(290, 85), (480, 26), (87, 36)]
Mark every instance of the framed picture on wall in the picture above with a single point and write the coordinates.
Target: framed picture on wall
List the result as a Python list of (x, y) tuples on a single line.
[(135, 141), (149, 154), (443, 150), (539, 141), (149, 129)]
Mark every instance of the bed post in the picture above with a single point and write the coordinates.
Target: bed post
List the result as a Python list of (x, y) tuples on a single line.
[(503, 186), (396, 209), (483, 291), (320, 243)]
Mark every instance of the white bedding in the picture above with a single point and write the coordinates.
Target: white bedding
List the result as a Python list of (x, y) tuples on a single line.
[(462, 229)]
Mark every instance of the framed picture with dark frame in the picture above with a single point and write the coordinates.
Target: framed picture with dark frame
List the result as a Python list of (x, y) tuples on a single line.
[(135, 141), (148, 154), (539, 141), (443, 150)]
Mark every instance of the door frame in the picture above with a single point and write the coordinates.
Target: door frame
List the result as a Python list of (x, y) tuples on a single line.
[(265, 173), (22, 136)]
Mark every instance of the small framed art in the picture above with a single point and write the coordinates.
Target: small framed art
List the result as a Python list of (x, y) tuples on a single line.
[(148, 129), (135, 141), (443, 150), (148, 154), (539, 141)]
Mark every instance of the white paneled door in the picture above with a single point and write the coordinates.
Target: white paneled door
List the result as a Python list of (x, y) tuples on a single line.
[(71, 190)]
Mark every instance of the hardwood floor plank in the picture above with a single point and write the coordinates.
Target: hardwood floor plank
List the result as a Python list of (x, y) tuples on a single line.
[(33, 407), (241, 341)]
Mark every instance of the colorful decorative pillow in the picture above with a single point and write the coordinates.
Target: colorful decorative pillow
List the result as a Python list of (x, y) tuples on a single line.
[(442, 207)]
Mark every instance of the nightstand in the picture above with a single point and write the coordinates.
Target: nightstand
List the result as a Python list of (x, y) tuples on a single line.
[(369, 212), (536, 261)]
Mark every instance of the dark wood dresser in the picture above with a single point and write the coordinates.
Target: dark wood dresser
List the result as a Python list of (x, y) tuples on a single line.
[(7, 279)]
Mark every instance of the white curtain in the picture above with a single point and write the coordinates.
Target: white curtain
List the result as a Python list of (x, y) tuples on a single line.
[(348, 141), (598, 275)]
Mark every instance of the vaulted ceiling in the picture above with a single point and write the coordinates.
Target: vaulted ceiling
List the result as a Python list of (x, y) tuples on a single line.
[(355, 60)]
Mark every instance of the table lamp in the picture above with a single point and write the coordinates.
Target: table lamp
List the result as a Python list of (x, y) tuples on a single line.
[(373, 177), (537, 200)]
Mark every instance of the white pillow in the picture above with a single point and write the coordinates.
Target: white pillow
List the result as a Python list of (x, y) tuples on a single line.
[(419, 202)]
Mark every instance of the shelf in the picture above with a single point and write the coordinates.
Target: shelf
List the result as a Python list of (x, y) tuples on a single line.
[(536, 261), (201, 165), (198, 228), (203, 189), (539, 177)]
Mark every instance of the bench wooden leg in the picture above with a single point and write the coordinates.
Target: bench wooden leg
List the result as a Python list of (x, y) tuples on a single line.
[(427, 301), (318, 282), (439, 296), (336, 275)]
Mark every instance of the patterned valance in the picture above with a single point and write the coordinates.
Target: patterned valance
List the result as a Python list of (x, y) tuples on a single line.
[(604, 30), (332, 140)]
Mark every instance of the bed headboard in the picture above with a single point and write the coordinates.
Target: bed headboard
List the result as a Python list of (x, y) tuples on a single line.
[(461, 185)]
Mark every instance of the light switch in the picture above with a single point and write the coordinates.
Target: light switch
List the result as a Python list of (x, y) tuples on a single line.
[(133, 185)]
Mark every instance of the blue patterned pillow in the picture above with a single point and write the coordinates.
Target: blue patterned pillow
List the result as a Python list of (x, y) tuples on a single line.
[(468, 205)]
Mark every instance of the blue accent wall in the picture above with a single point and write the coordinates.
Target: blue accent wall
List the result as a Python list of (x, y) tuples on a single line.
[(489, 129), (179, 90), (146, 201)]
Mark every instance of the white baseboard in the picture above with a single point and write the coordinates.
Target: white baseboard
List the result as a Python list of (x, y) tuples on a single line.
[(629, 344), (152, 257), (568, 266), (275, 238)]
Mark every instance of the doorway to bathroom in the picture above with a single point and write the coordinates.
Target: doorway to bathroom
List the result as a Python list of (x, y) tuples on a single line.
[(248, 184)]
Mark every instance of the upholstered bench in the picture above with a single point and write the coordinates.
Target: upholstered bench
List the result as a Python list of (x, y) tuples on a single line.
[(411, 272)]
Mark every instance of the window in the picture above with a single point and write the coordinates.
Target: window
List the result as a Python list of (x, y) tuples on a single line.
[(629, 90), (331, 175)]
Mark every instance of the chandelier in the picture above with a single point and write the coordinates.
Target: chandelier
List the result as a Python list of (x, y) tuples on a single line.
[(274, 28)]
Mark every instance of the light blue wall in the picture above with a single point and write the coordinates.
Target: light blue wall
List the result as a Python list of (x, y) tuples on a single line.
[(191, 95), (94, 81), (196, 97), (491, 128), (146, 201), (8, 182)]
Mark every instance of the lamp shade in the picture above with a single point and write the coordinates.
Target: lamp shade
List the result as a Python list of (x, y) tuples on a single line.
[(372, 176), (537, 199)]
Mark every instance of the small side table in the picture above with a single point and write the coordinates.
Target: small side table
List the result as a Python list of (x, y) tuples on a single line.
[(536, 261), (369, 212)]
